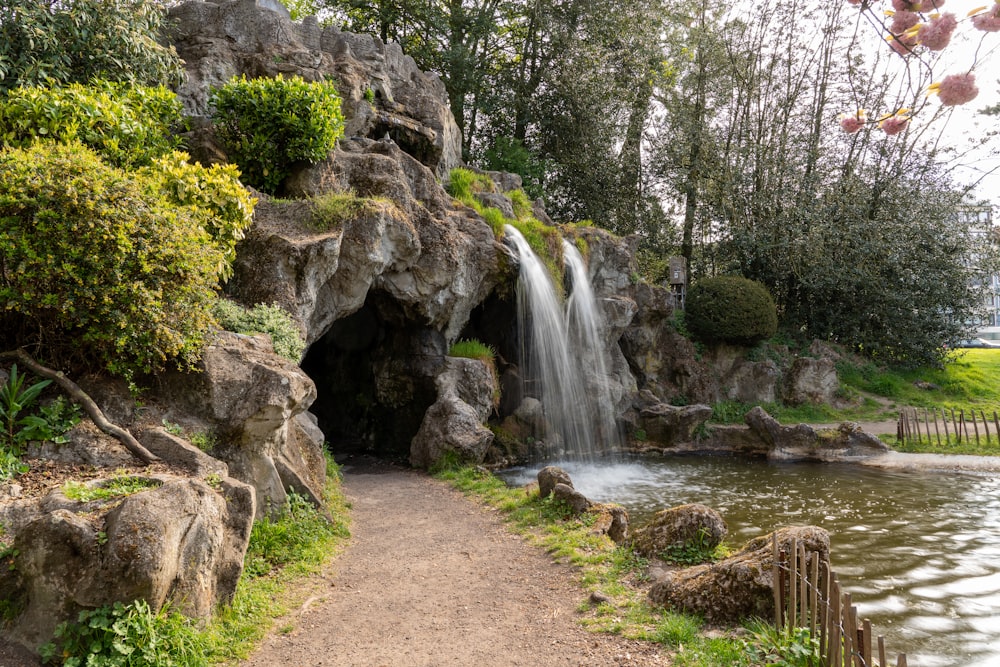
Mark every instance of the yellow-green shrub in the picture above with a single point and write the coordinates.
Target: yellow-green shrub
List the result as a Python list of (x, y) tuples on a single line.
[(214, 194), (267, 125), (97, 266), (128, 125)]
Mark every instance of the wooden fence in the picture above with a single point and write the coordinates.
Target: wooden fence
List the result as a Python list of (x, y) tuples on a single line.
[(807, 594), (946, 426)]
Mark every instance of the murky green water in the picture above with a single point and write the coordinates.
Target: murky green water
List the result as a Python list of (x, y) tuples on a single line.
[(920, 552)]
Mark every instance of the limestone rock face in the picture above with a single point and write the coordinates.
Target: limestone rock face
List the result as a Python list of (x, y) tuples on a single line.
[(680, 526), (218, 41), (454, 423), (663, 362), (811, 381), (181, 541), (251, 397), (436, 262), (737, 587)]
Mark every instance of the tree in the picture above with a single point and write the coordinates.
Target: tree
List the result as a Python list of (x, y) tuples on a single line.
[(78, 40)]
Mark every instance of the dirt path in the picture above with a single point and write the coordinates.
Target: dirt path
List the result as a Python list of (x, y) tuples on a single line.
[(431, 579)]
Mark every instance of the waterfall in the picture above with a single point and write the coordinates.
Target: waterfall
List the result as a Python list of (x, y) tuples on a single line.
[(585, 326), (555, 347)]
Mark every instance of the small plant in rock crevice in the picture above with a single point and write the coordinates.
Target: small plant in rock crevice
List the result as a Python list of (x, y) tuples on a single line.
[(691, 552)]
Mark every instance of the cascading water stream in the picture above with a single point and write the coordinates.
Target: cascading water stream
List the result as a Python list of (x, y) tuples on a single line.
[(552, 356), (585, 325)]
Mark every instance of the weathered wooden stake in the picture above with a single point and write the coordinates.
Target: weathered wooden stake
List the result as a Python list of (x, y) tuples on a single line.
[(936, 431)]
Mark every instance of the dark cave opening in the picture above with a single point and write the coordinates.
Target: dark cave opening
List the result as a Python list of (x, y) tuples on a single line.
[(374, 372)]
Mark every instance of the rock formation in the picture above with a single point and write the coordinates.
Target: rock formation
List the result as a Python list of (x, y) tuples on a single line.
[(691, 525), (738, 587)]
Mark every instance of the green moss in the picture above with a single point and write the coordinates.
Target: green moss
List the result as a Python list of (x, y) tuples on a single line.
[(544, 240), (332, 209), (116, 487)]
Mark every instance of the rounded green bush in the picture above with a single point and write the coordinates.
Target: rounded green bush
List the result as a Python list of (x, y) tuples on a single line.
[(730, 309), (267, 125), (97, 267)]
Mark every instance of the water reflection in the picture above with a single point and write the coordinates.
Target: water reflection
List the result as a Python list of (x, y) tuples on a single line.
[(919, 551)]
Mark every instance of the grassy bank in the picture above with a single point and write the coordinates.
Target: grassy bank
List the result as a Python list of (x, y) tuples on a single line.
[(614, 572), (969, 381)]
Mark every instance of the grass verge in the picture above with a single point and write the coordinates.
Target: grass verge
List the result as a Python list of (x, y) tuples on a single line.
[(616, 572), (284, 553)]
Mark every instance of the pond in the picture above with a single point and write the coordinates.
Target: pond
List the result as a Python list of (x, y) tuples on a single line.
[(919, 551)]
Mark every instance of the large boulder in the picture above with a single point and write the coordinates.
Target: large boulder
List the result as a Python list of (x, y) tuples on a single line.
[(740, 586), (801, 442), (669, 424), (454, 423), (548, 477), (251, 399), (181, 541), (811, 380), (218, 41), (679, 527)]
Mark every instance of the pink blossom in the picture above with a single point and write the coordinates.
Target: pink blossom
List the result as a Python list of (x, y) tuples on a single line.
[(854, 2), (852, 124), (958, 89), (903, 21), (894, 124), (925, 6), (937, 34), (988, 21), (902, 45)]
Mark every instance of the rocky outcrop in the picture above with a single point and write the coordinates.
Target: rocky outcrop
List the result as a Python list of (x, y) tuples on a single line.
[(218, 41), (668, 424), (763, 436), (180, 541), (740, 586), (454, 423), (811, 380), (691, 525), (252, 399)]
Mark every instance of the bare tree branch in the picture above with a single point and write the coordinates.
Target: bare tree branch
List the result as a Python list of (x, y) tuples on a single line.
[(89, 406)]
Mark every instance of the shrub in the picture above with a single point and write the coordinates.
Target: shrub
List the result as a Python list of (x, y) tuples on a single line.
[(103, 270), (127, 125), (262, 319), (129, 635), (78, 40), (267, 125), (730, 309), (214, 195)]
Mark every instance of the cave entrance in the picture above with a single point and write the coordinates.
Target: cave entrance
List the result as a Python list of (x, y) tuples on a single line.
[(374, 372), (494, 322)]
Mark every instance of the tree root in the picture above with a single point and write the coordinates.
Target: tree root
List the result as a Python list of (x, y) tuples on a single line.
[(89, 406)]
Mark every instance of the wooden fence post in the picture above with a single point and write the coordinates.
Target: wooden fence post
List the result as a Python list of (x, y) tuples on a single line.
[(944, 420)]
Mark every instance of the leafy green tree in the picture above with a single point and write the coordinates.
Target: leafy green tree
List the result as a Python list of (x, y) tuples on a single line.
[(96, 267), (78, 40)]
